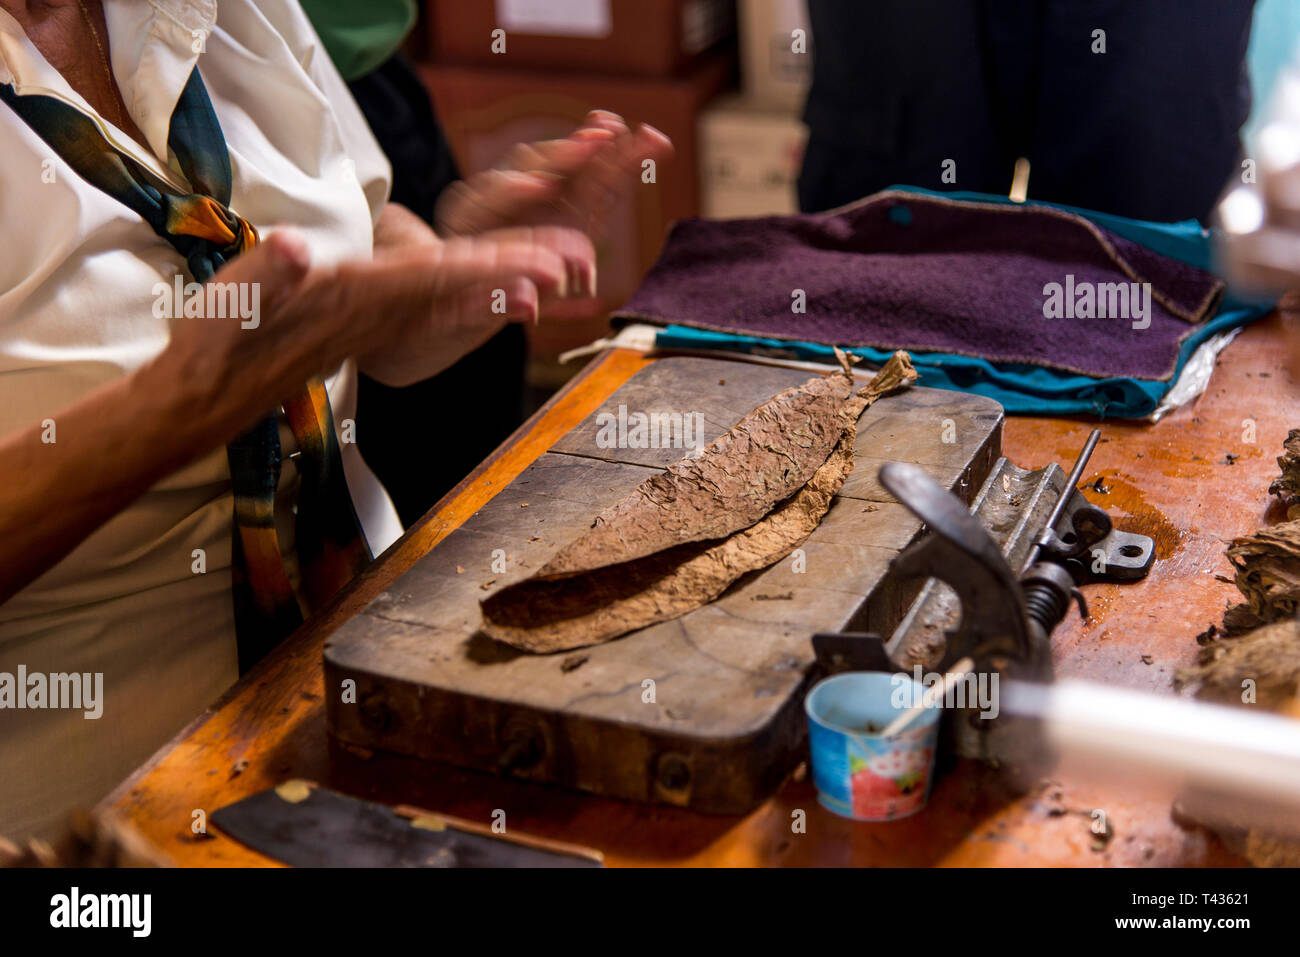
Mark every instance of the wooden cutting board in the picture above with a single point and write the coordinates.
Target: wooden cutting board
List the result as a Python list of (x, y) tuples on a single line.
[(704, 711)]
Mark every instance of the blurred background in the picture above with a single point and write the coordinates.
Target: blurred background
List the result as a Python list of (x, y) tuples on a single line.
[(719, 77), (725, 79)]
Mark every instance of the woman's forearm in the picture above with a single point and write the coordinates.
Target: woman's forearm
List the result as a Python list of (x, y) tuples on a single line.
[(417, 307), (81, 465)]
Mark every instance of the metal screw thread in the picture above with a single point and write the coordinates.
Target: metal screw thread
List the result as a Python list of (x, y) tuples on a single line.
[(1045, 604)]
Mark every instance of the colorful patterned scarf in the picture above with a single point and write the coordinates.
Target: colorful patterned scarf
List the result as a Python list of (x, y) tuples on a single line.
[(329, 541)]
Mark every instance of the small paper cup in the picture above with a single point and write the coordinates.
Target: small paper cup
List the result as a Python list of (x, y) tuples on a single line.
[(859, 773)]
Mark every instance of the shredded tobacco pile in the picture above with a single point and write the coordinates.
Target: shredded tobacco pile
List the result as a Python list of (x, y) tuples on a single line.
[(682, 537), (1260, 637), (1259, 648)]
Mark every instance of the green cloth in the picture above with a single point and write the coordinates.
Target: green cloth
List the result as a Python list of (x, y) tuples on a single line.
[(360, 36)]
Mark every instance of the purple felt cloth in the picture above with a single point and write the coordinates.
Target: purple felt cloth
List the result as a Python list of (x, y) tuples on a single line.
[(903, 271)]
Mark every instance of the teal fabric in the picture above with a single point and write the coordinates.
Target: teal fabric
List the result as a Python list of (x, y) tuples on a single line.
[(1028, 389)]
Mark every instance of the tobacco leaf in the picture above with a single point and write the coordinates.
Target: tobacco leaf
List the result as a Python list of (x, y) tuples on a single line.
[(733, 482), (557, 613), (1238, 619), (547, 615), (897, 373), (1288, 483)]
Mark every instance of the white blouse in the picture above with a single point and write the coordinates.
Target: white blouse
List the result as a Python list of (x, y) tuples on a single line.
[(77, 275)]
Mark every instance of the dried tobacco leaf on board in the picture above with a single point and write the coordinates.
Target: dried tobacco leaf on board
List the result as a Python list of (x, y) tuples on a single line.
[(547, 614), (733, 482), (1260, 637), (1288, 483)]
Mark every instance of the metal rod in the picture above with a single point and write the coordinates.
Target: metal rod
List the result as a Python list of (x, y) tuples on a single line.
[(1071, 484)]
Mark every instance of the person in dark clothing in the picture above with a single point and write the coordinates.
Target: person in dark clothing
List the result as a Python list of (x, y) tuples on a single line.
[(1122, 107), (415, 470)]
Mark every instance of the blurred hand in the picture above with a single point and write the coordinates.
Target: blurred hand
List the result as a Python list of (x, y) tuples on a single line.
[(406, 314), (572, 182), (499, 276), (412, 310)]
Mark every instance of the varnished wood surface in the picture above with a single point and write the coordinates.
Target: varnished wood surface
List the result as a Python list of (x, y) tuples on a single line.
[(729, 677), (1173, 481)]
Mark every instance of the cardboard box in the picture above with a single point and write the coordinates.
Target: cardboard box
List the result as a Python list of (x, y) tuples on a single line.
[(486, 112), (626, 37), (749, 159), (773, 70)]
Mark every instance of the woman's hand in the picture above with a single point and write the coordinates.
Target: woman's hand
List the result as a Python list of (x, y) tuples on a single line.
[(412, 310), (572, 182), (451, 326)]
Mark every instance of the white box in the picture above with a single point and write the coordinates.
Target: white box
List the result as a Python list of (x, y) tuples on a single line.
[(776, 62), (749, 159)]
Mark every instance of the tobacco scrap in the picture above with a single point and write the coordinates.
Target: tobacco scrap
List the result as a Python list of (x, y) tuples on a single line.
[(1287, 484), (615, 579), (1237, 620), (1268, 850), (87, 839), (1268, 656), (1267, 573), (573, 663)]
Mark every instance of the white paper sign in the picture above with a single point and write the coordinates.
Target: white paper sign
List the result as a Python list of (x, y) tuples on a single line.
[(562, 18)]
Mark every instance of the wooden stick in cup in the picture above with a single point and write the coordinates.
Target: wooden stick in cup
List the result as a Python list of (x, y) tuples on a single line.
[(931, 697)]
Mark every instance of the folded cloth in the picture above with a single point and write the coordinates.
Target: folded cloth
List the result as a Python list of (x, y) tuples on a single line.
[(1032, 284), (1019, 389)]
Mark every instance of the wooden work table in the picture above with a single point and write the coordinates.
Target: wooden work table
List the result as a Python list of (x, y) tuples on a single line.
[(1173, 481)]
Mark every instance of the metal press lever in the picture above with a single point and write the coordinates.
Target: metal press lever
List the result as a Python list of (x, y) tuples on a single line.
[(958, 551)]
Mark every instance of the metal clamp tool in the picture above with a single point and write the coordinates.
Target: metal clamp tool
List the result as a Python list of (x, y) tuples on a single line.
[(999, 577), (1236, 764)]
